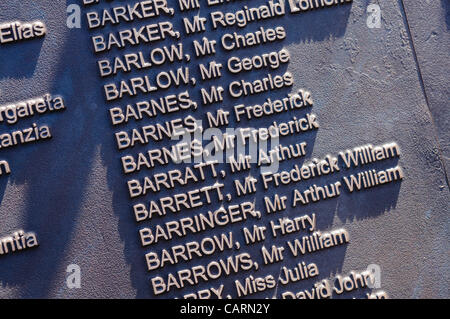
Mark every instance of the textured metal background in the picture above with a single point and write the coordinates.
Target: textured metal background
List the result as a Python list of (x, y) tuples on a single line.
[(369, 86)]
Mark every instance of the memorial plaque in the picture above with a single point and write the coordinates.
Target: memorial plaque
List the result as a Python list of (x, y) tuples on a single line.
[(196, 149)]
